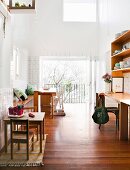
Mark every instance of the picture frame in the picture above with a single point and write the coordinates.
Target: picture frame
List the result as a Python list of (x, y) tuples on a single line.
[(118, 84)]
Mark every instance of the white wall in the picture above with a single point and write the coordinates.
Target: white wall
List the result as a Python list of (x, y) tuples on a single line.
[(8, 77), (45, 33), (5, 54), (6, 100), (6, 94)]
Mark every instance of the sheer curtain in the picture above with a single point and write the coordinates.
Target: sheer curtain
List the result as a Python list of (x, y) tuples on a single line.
[(92, 65)]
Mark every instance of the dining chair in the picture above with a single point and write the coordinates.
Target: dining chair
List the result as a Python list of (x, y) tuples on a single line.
[(33, 127), (20, 135), (100, 98)]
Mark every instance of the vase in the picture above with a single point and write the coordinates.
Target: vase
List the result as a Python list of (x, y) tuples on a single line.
[(108, 87)]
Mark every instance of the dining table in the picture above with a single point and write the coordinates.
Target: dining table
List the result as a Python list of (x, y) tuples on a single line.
[(38, 119)]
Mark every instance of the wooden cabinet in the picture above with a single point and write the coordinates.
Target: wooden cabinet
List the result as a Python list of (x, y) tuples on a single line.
[(46, 102), (43, 101), (120, 51)]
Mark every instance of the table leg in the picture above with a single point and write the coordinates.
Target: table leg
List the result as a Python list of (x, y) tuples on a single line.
[(123, 124), (5, 135), (41, 128), (52, 110)]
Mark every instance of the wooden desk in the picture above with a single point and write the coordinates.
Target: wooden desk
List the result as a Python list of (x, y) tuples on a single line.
[(124, 100), (37, 120), (46, 97)]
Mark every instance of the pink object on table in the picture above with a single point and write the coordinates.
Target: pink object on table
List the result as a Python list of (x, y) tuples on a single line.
[(15, 111)]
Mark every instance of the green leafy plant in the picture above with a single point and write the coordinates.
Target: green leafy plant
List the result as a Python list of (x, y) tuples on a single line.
[(17, 4)]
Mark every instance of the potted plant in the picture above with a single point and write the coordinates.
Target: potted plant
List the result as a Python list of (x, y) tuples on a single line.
[(17, 4), (108, 79)]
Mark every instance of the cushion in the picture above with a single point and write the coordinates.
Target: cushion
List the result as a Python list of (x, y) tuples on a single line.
[(20, 94), (30, 89)]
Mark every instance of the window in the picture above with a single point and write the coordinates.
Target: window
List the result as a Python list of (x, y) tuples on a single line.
[(79, 10)]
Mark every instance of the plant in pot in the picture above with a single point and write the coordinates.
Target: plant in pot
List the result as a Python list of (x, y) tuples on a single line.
[(17, 4), (108, 79)]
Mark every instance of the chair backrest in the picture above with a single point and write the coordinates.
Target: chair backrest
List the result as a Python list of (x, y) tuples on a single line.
[(100, 99), (19, 134)]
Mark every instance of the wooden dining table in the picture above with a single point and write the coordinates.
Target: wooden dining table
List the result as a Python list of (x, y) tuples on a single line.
[(123, 100), (37, 120)]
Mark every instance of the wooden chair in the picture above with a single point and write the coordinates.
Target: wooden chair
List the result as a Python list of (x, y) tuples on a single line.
[(20, 135), (32, 127), (100, 98)]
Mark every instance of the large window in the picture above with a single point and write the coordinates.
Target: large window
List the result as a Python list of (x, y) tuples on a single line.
[(79, 11)]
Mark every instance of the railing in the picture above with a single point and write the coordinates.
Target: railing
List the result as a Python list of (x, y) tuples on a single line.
[(71, 93)]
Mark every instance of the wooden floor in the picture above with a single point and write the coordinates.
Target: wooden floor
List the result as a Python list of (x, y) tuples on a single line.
[(74, 142)]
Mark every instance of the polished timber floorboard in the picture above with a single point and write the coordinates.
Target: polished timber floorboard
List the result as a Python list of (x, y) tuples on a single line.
[(74, 142)]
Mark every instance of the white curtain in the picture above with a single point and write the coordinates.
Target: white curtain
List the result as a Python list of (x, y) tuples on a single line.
[(92, 80)]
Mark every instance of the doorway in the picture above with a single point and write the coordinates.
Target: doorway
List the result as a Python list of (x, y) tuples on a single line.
[(73, 76)]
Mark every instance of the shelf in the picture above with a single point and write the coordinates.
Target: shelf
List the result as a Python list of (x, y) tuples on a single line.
[(19, 8), (118, 44), (122, 69), (23, 11), (122, 54), (123, 38)]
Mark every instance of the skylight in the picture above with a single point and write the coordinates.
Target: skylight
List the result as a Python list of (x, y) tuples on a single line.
[(79, 11)]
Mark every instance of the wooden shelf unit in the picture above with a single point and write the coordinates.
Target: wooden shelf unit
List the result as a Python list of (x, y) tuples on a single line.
[(124, 70), (116, 58), (46, 101)]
